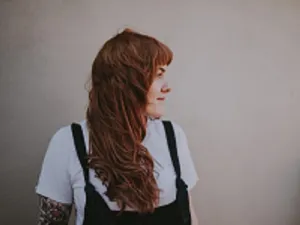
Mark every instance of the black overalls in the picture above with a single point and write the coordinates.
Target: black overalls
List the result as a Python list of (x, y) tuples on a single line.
[(97, 211)]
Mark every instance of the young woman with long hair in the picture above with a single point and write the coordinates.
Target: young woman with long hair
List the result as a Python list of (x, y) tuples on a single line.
[(122, 164)]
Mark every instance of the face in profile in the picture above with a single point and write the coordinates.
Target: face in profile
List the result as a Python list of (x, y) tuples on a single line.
[(157, 94)]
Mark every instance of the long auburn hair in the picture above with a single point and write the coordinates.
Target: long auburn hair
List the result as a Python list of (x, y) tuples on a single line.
[(122, 74)]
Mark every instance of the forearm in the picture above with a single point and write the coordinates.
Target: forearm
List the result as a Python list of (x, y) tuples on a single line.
[(193, 213), (52, 212), (194, 217)]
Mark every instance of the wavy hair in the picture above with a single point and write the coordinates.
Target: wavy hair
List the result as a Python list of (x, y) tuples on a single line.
[(122, 74)]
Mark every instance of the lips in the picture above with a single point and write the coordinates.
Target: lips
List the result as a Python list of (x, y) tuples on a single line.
[(161, 99)]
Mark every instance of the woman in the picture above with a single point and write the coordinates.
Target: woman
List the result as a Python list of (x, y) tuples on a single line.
[(122, 165)]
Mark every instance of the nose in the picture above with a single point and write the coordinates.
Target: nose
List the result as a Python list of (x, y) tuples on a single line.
[(165, 88)]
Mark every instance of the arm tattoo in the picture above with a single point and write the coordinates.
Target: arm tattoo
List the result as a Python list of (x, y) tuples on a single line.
[(52, 212)]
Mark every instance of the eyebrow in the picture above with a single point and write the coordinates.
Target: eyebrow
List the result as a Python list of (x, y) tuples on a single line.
[(162, 69)]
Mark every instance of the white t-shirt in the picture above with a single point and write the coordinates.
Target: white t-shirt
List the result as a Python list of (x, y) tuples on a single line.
[(62, 180)]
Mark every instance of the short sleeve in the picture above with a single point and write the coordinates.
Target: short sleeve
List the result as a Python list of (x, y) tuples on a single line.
[(54, 181), (188, 171)]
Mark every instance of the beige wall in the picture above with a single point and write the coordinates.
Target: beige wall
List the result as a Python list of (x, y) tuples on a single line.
[(236, 93)]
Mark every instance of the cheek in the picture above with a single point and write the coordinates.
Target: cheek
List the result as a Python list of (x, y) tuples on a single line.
[(155, 89)]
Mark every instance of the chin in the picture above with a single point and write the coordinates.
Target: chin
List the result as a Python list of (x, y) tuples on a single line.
[(155, 112), (156, 115)]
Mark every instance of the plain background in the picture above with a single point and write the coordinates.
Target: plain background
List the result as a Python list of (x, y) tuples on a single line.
[(236, 93)]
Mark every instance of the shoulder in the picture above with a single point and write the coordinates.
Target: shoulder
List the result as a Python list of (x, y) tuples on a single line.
[(61, 140), (178, 129), (61, 143), (61, 136), (180, 136), (188, 170), (157, 125), (55, 180)]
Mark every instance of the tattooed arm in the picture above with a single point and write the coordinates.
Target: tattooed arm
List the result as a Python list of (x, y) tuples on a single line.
[(52, 212)]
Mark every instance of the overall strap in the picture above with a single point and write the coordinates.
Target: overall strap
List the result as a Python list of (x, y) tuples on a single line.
[(80, 149), (182, 196), (170, 134)]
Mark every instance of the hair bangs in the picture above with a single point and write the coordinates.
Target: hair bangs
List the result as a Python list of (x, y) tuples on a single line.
[(164, 55)]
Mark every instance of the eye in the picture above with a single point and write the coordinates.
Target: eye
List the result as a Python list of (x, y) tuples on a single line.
[(160, 75), (161, 72)]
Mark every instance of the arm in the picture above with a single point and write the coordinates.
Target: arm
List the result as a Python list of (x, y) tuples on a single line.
[(54, 186), (192, 210), (52, 212)]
